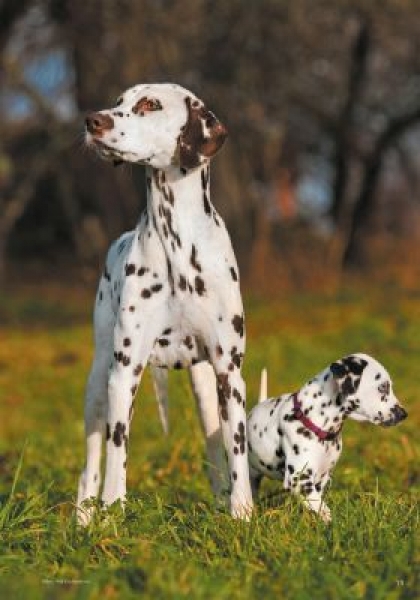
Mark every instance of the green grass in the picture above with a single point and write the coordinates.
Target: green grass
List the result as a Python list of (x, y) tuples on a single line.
[(172, 542)]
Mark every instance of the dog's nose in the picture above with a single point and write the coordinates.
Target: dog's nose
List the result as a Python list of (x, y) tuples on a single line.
[(97, 123), (399, 413)]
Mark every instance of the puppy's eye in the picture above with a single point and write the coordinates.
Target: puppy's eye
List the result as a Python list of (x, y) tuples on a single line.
[(119, 101), (145, 105), (384, 387)]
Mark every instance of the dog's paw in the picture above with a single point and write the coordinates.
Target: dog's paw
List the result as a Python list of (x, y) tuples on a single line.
[(240, 509), (325, 513), (84, 512)]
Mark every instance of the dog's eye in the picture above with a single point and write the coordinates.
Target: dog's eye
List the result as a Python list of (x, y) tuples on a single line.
[(384, 387), (119, 101), (145, 105)]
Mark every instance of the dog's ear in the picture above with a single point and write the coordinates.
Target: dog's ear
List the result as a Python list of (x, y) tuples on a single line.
[(347, 373), (201, 137)]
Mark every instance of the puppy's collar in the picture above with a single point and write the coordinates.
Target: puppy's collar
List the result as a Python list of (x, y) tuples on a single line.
[(306, 422)]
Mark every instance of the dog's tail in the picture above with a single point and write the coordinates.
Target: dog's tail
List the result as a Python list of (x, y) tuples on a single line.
[(263, 386), (160, 384)]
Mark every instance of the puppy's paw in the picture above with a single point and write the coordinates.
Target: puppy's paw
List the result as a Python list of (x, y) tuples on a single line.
[(325, 513)]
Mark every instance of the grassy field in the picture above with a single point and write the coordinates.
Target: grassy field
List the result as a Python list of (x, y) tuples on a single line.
[(171, 542)]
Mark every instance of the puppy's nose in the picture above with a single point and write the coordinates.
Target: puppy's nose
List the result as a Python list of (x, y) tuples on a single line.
[(97, 123), (399, 413)]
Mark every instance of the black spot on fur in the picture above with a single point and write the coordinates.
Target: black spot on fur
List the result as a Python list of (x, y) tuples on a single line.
[(305, 432), (137, 371), (130, 269), (238, 324), (205, 178), (119, 436), (223, 392), (194, 262), (239, 437), (236, 357), (200, 287), (237, 396), (207, 206), (188, 342), (122, 358)]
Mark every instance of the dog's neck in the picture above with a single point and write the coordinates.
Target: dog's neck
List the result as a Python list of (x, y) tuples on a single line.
[(179, 208), (320, 402), (185, 194)]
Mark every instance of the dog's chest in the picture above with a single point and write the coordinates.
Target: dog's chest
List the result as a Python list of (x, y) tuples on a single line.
[(265, 446), (276, 438), (179, 294)]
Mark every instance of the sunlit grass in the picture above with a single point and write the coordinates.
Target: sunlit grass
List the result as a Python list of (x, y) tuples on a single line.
[(172, 542)]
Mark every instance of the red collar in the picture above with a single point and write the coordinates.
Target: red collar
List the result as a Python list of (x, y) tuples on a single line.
[(320, 433)]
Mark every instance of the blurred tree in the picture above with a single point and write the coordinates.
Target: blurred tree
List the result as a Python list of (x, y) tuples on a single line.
[(314, 94)]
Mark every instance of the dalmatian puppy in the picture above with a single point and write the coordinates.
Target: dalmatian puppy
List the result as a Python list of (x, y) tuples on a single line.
[(169, 295), (297, 437)]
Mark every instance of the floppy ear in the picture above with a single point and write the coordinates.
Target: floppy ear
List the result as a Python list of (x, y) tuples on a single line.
[(201, 137), (347, 373)]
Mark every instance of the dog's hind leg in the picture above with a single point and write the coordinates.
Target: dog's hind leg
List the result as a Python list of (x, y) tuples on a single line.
[(203, 381), (160, 384), (255, 479)]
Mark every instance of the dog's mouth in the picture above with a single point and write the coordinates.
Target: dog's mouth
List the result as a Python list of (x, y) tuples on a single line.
[(116, 156), (106, 152), (390, 422), (398, 415)]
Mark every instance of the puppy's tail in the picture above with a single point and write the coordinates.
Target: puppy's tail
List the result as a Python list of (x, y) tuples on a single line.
[(263, 386), (160, 384)]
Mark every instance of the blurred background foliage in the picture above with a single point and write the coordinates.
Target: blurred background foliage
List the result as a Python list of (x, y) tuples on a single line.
[(321, 173)]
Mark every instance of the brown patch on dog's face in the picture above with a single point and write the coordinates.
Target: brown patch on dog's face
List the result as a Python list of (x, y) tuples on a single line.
[(201, 137), (146, 105)]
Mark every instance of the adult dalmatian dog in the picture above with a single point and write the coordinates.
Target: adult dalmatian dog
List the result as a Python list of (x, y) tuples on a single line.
[(297, 439), (169, 295)]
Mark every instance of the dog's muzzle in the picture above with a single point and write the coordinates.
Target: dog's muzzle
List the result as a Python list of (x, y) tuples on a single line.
[(98, 123), (398, 415)]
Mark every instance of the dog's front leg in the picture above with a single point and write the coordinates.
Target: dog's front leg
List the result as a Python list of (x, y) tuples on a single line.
[(96, 404), (315, 503), (130, 358), (231, 397), (300, 481)]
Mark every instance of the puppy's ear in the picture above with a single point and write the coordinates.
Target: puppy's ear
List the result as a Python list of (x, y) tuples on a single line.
[(347, 373), (201, 137), (338, 369)]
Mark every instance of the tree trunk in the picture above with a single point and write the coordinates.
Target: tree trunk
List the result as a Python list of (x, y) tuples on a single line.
[(365, 203)]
